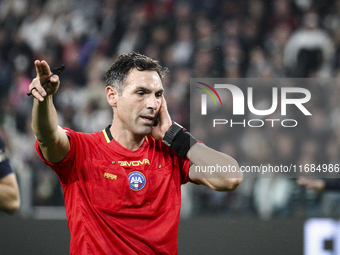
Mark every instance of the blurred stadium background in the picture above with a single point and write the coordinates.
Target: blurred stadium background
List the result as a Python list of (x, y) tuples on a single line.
[(203, 38)]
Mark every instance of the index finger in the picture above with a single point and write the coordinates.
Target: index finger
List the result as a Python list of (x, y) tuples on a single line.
[(42, 68)]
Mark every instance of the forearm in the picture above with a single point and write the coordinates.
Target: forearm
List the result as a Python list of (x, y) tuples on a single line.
[(184, 144), (45, 121), (205, 158), (53, 141), (9, 194)]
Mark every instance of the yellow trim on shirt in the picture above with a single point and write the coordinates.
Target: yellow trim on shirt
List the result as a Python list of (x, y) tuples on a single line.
[(105, 135)]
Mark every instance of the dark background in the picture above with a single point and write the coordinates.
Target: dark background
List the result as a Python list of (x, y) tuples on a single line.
[(196, 236)]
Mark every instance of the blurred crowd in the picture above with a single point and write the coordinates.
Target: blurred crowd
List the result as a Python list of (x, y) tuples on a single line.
[(203, 38)]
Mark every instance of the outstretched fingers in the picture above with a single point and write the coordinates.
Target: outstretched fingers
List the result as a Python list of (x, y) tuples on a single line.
[(42, 68), (46, 68), (46, 82)]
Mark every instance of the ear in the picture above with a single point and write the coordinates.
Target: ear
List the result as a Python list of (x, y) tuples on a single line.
[(111, 95)]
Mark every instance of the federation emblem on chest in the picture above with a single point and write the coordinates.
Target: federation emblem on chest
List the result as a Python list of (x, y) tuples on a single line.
[(137, 180)]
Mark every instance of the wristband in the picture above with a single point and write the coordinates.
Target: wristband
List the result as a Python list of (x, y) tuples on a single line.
[(178, 139)]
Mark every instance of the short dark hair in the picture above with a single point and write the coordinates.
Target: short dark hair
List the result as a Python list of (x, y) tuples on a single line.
[(120, 69)]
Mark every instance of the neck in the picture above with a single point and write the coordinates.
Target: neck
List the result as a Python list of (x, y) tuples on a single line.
[(126, 138)]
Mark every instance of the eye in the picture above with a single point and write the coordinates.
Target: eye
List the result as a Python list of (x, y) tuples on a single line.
[(140, 93), (159, 94)]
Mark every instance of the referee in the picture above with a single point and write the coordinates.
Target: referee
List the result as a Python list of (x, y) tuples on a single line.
[(122, 184)]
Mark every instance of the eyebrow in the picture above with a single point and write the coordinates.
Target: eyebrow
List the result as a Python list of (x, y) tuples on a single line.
[(146, 90)]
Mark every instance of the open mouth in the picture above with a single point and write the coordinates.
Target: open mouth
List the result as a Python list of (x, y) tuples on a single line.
[(148, 119)]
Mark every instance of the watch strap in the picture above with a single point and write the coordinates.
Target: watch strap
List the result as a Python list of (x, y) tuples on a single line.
[(170, 135)]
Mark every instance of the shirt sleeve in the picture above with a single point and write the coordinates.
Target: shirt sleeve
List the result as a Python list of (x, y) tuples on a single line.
[(185, 165), (65, 168), (5, 168), (185, 171)]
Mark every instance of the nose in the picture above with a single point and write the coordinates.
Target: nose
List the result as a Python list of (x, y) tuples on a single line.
[(152, 102)]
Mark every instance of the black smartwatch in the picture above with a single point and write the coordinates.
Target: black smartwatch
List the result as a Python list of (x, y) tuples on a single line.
[(170, 135)]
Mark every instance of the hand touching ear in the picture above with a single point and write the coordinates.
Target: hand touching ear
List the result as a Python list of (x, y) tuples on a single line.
[(164, 122)]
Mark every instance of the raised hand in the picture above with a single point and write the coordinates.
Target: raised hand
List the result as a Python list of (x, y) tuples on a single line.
[(46, 83), (164, 122)]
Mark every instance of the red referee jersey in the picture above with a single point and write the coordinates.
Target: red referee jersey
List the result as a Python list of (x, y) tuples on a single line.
[(120, 201)]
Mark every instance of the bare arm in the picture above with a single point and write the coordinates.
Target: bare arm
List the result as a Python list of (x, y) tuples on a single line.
[(203, 156), (52, 139), (9, 194)]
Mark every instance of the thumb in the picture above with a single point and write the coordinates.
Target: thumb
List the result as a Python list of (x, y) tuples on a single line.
[(54, 79)]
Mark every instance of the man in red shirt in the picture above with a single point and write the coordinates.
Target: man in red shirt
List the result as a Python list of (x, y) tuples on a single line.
[(122, 185)]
